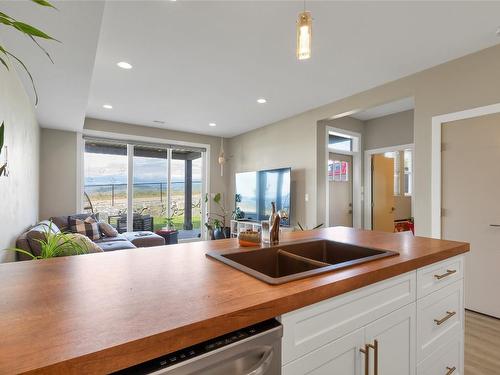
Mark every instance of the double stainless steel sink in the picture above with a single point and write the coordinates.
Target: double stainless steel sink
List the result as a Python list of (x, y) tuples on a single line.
[(286, 262)]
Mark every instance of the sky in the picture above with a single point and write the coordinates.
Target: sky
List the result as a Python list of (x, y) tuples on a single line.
[(107, 169)]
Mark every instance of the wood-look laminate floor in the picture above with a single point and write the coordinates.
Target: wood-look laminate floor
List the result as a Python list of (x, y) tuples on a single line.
[(482, 344)]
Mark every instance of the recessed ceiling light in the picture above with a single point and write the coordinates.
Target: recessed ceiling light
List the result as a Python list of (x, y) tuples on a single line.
[(261, 101), (212, 124), (124, 65), (107, 106)]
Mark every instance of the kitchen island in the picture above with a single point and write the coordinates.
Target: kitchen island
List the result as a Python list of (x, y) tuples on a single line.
[(99, 313)]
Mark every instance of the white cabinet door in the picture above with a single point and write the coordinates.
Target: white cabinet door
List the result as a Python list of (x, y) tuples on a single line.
[(341, 357), (395, 336)]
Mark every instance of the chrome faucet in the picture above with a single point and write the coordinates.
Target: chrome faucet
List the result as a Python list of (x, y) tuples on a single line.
[(274, 226)]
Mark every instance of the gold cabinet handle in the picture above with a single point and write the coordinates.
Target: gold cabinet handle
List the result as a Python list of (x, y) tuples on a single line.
[(366, 352), (447, 273), (449, 314), (451, 370), (374, 346)]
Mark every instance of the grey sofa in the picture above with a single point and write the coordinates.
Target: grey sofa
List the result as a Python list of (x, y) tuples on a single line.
[(28, 241)]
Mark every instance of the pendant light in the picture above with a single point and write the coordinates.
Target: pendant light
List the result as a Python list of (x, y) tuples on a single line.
[(222, 160), (304, 34)]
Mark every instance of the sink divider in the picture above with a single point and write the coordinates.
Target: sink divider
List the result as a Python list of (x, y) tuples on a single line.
[(300, 258)]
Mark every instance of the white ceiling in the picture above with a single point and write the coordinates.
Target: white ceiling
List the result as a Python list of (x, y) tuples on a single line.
[(197, 62), (385, 109), (63, 87)]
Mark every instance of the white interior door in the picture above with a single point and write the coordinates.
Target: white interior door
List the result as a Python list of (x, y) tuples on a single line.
[(471, 204), (341, 191)]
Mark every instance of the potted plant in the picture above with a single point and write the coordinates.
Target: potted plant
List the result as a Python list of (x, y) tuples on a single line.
[(57, 245), (216, 221)]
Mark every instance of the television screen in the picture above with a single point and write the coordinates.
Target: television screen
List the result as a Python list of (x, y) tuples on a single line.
[(256, 190)]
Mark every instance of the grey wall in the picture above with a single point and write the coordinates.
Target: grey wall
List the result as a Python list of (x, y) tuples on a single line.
[(468, 82), (390, 130), (276, 146), (18, 191), (58, 177)]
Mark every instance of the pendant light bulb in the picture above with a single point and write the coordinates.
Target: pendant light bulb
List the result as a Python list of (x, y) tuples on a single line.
[(304, 35)]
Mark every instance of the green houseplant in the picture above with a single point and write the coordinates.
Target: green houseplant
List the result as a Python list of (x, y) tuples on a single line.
[(216, 221), (56, 245)]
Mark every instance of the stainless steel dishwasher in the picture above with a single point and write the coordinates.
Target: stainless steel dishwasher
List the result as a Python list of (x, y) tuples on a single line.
[(255, 350)]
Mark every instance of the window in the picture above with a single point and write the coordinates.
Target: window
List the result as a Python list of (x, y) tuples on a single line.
[(342, 142), (408, 172), (402, 171), (166, 191), (338, 170)]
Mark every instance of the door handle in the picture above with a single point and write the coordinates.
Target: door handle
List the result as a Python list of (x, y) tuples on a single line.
[(449, 314), (494, 225), (451, 370), (366, 352), (263, 365), (374, 346), (447, 273)]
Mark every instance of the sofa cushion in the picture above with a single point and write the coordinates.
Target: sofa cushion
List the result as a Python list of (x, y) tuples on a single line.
[(116, 245), (107, 230), (89, 246), (144, 239), (38, 233), (88, 227), (23, 244), (63, 221), (119, 237)]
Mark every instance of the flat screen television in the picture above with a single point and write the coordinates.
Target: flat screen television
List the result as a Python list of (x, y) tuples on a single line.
[(256, 190)]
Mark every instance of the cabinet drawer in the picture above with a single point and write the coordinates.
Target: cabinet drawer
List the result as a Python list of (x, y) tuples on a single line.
[(439, 275), (444, 359), (439, 317), (311, 327)]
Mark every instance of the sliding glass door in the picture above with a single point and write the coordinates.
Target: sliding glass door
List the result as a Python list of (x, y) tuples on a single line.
[(106, 174), (167, 186)]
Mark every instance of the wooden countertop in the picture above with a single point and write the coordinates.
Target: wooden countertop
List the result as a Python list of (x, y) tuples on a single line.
[(99, 313)]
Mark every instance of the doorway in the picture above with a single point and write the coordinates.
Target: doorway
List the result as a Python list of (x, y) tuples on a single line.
[(389, 189), (340, 187), (343, 178), (470, 208)]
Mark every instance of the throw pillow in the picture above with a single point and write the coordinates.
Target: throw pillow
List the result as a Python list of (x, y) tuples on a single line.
[(107, 229), (88, 227), (38, 233), (85, 242)]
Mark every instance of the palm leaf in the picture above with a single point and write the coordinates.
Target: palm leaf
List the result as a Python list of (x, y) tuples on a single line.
[(29, 75), (2, 135), (43, 49), (4, 63), (31, 30), (3, 170), (44, 3), (23, 252)]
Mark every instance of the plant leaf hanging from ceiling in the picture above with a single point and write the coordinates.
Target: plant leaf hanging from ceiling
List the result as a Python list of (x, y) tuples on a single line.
[(32, 33)]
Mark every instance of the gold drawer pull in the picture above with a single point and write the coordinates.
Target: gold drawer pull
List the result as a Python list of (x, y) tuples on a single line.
[(448, 273), (451, 370), (449, 314)]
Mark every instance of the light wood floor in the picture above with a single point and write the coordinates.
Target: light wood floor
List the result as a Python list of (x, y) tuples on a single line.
[(482, 344)]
